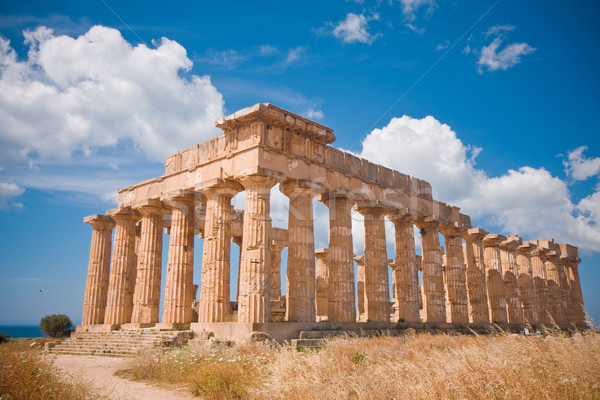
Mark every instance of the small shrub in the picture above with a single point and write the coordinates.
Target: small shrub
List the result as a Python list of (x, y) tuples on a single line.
[(56, 325), (358, 357), (3, 339)]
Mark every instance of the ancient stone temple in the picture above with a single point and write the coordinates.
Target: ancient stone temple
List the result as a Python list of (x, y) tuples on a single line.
[(468, 277)]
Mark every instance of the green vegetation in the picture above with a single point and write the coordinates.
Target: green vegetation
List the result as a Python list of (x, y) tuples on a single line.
[(56, 325)]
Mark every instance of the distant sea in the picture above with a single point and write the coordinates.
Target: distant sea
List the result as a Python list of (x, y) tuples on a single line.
[(22, 331)]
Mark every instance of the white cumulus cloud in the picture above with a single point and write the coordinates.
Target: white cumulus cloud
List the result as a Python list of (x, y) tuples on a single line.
[(314, 114), (8, 191), (509, 56), (579, 167), (409, 7), (354, 28)]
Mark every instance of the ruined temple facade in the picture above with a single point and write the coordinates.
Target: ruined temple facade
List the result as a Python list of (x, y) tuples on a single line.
[(470, 277)]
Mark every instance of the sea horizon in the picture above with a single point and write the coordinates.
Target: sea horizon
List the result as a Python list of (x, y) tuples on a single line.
[(22, 331)]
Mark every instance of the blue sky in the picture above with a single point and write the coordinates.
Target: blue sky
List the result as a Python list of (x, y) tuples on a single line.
[(495, 103)]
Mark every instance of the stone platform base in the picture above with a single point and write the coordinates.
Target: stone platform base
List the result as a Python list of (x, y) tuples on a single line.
[(95, 328)]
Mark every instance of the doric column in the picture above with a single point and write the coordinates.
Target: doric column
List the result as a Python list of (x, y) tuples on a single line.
[(538, 268), (94, 303), (434, 301), (405, 269), (360, 287), (179, 288), (214, 303), (579, 310), (146, 296), (554, 289), (255, 265), (119, 304), (322, 256), (456, 277), (476, 286), (341, 303), (495, 282), (565, 286), (377, 288), (511, 285), (529, 300), (301, 274)]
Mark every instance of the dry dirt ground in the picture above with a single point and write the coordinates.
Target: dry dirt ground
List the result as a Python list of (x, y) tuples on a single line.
[(99, 372)]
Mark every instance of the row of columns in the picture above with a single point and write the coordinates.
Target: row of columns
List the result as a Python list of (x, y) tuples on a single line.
[(481, 281)]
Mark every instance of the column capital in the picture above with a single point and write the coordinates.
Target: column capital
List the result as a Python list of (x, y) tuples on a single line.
[(225, 187), (540, 252), (99, 221), (525, 248), (475, 234), (427, 222), (322, 253), (493, 240), (372, 208), (124, 214), (360, 260), (400, 215), (328, 195), (511, 243), (150, 206), (295, 187), (257, 181), (178, 198), (553, 256), (452, 230)]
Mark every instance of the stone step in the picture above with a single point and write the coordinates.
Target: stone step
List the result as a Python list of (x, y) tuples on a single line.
[(318, 334), (310, 343)]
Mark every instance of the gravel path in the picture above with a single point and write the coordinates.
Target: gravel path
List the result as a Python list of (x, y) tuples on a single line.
[(99, 372)]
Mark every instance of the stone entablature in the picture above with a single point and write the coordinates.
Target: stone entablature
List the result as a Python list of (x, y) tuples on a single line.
[(486, 279)]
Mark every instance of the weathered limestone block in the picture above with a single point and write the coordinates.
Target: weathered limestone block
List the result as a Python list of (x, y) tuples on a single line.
[(570, 260), (146, 296), (255, 266), (214, 303), (538, 259), (301, 274), (119, 304), (554, 290), (476, 285), (495, 282), (377, 292), (179, 288), (322, 256), (456, 276), (529, 299), (96, 288), (434, 302), (341, 290), (406, 289), (510, 274), (360, 287)]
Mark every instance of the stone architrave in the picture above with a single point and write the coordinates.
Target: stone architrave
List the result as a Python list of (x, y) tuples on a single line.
[(529, 299), (322, 256), (179, 288), (405, 269), (538, 268), (341, 306), (476, 285), (214, 303), (360, 287), (494, 280), (119, 304), (377, 288), (146, 296), (94, 303), (301, 273), (255, 266), (510, 274), (456, 276), (434, 299)]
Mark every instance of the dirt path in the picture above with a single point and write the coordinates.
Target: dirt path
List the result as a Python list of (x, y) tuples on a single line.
[(99, 372)]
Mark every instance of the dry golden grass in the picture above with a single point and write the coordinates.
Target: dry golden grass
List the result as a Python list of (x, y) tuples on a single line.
[(417, 366), (25, 374)]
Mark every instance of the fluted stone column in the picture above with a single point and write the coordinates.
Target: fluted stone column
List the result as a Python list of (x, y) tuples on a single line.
[(494, 280), (146, 296), (119, 304), (567, 298), (179, 288), (255, 266), (554, 289), (510, 274), (538, 259), (341, 304), (301, 274), (214, 303), (322, 256), (405, 269), (456, 276), (360, 287), (434, 302), (476, 285), (377, 288), (529, 300), (579, 310), (96, 288)]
